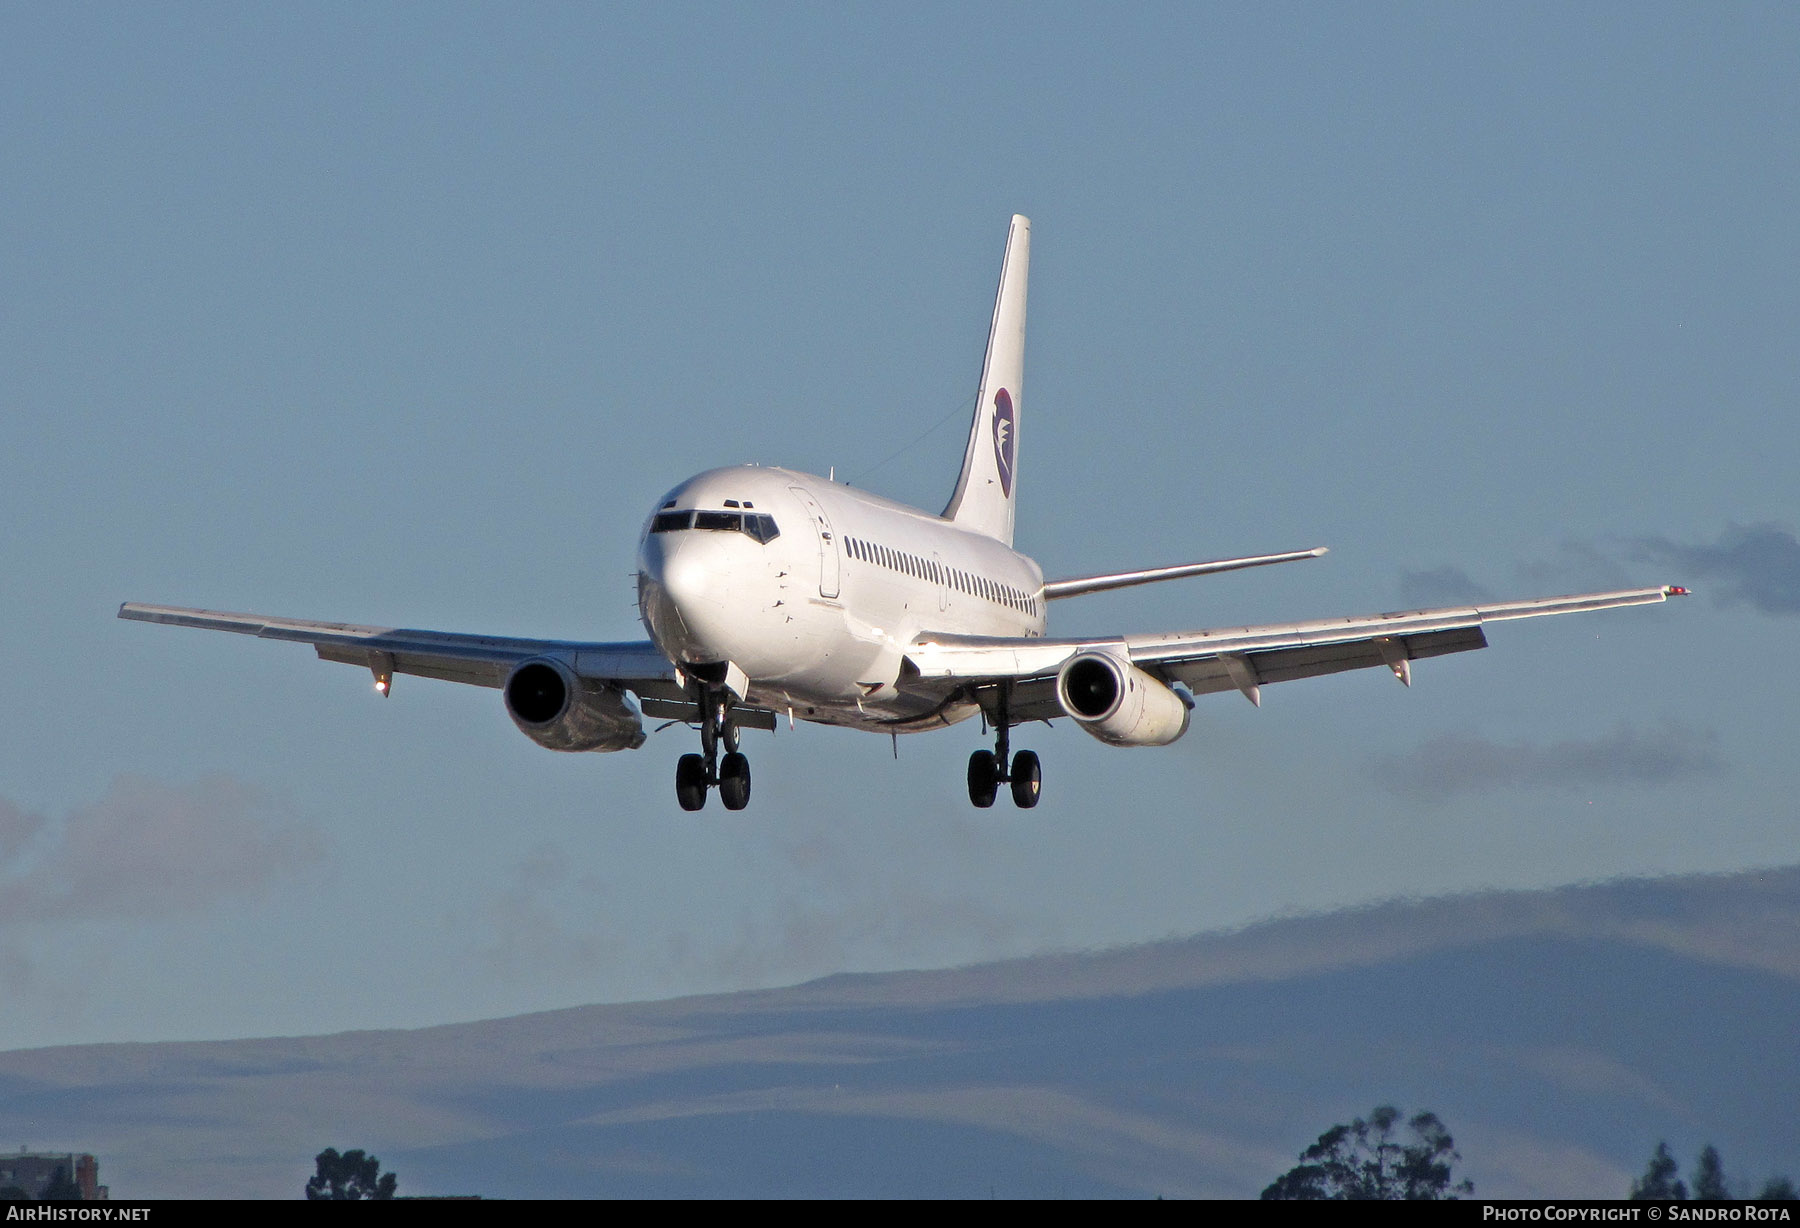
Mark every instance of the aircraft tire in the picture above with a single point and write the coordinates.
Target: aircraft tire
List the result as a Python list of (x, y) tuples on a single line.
[(690, 782), (984, 783), (734, 781), (1027, 780)]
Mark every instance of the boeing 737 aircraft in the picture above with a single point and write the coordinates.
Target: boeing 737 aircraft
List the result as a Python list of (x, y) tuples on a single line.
[(769, 592)]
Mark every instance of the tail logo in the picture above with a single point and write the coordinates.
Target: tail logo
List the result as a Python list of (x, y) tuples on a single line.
[(1005, 429)]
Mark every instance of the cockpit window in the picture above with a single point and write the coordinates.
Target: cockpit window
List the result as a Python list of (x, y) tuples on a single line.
[(754, 524)]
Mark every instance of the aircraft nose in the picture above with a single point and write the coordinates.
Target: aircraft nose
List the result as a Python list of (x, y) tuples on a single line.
[(682, 599), (685, 578)]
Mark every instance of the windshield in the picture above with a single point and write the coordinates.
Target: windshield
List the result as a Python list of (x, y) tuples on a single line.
[(756, 525)]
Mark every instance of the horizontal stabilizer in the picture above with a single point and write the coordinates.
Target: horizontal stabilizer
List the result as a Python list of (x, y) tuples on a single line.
[(1125, 579)]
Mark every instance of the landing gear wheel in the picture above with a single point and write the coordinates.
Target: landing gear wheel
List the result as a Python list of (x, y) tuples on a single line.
[(1027, 780), (690, 782), (734, 781), (984, 778)]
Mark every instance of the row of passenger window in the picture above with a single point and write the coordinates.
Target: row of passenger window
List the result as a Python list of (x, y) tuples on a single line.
[(755, 524), (937, 573)]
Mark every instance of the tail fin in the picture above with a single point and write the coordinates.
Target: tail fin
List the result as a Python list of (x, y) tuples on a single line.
[(983, 502)]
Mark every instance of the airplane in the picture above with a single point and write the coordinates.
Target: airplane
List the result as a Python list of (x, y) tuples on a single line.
[(767, 591)]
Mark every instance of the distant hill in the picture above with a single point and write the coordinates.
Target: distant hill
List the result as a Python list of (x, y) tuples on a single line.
[(1559, 1034)]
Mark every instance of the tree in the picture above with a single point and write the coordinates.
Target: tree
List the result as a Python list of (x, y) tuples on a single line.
[(347, 1176), (1709, 1177), (62, 1187), (1660, 1182), (1365, 1160)]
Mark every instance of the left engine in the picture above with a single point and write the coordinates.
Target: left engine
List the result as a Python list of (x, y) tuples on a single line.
[(559, 711)]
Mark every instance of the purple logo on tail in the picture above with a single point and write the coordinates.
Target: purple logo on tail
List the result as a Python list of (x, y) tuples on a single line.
[(1005, 429)]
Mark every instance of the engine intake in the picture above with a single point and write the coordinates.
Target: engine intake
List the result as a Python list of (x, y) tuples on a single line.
[(1119, 703), (560, 711)]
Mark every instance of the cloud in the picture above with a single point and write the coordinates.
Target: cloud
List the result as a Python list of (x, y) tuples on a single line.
[(1574, 567), (530, 934), (146, 850), (16, 829), (836, 894), (1440, 586), (1455, 763), (801, 937), (861, 891), (1758, 564)]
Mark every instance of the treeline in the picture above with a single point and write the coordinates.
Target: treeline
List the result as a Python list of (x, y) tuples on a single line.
[(1375, 1158), (1662, 1181)]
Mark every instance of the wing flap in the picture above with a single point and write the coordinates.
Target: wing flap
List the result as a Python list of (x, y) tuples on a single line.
[(688, 712), (1209, 675), (419, 665)]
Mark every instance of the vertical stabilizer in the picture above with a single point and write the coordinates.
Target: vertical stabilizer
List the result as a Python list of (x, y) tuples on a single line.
[(983, 502)]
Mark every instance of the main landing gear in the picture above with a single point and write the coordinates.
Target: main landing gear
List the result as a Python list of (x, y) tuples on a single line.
[(695, 774), (988, 768)]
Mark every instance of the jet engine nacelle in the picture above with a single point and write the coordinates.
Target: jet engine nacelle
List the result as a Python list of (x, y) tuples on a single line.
[(1119, 703), (559, 711)]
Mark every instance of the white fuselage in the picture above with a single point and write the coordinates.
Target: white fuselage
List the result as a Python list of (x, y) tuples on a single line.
[(819, 616)]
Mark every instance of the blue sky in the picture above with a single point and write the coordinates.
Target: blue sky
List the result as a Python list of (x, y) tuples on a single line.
[(407, 314)]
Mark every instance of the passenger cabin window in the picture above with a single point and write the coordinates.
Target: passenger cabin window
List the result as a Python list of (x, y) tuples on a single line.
[(931, 570)]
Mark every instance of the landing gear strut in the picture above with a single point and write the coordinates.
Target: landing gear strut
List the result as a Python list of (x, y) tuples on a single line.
[(695, 774), (988, 768)]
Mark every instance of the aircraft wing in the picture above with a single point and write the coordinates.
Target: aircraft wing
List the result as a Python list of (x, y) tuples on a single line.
[(1245, 658), (479, 660)]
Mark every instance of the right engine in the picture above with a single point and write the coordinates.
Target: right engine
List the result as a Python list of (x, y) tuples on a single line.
[(557, 710), (1119, 703)]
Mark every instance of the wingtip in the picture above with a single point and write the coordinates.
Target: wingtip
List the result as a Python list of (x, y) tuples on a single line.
[(1676, 590)]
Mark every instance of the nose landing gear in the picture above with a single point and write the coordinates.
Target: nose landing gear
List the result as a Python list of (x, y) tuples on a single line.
[(988, 768), (695, 774)]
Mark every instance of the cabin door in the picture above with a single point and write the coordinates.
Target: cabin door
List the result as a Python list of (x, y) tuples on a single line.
[(828, 547)]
